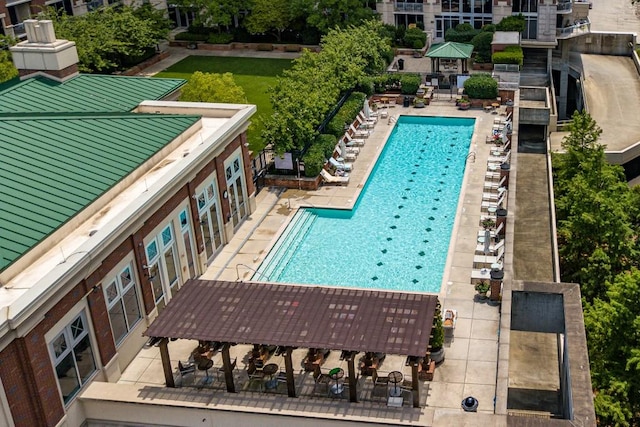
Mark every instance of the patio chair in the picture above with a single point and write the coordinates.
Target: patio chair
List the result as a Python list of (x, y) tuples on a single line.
[(359, 133), (186, 368), (332, 179), (351, 142), (378, 381), (321, 379), (492, 185), (346, 155), (493, 249), (485, 261), (341, 166), (491, 196)]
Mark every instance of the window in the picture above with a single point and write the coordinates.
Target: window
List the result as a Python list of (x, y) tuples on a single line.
[(73, 357), (122, 303), (210, 219), (162, 266)]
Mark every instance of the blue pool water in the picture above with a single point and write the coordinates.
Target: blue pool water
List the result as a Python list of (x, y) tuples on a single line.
[(397, 235)]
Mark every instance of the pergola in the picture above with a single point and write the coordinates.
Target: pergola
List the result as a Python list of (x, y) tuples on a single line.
[(449, 50), (293, 316)]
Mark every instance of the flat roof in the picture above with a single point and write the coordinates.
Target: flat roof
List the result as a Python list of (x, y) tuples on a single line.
[(55, 166), (85, 93), (299, 316)]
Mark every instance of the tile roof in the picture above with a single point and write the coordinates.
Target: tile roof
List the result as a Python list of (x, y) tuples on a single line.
[(55, 166), (86, 93), (299, 316)]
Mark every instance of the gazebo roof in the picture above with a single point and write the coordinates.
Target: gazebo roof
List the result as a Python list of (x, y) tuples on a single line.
[(299, 316), (450, 50)]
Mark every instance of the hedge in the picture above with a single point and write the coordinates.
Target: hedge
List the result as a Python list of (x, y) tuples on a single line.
[(482, 46), (220, 38), (327, 142), (512, 23), (481, 86), (410, 83), (190, 37), (346, 114), (462, 33), (415, 38), (510, 55)]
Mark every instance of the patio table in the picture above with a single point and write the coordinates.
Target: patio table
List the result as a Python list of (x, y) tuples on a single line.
[(269, 371), (395, 377), (336, 374)]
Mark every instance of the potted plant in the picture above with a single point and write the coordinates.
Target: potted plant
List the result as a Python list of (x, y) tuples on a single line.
[(482, 288), (437, 337), (464, 104), (488, 223), (418, 102)]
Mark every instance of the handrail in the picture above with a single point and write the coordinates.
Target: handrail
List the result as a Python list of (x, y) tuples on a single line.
[(552, 215), (250, 268), (473, 153)]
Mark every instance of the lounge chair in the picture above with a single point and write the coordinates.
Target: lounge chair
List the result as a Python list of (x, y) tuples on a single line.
[(341, 166), (493, 249), (344, 157), (500, 159), (352, 142), (485, 261), (332, 179), (486, 204), (350, 153), (493, 185), (449, 319), (372, 120), (359, 133), (492, 233), (491, 196)]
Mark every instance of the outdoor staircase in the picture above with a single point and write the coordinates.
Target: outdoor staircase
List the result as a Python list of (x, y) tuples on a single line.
[(280, 255), (534, 69)]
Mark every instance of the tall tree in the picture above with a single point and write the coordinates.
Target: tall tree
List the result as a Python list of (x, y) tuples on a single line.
[(8, 71), (269, 15), (212, 87), (327, 14), (214, 13)]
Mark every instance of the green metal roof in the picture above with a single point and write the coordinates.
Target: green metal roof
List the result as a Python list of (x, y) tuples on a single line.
[(451, 50), (85, 93), (55, 166)]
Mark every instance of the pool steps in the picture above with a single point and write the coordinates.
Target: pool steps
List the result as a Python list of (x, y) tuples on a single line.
[(280, 255)]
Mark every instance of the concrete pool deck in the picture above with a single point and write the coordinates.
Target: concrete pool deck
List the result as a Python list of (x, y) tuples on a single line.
[(470, 366)]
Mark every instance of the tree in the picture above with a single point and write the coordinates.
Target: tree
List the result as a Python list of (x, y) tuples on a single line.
[(108, 38), (268, 15), (512, 23), (213, 13), (482, 46), (327, 14), (8, 71), (613, 334), (212, 87)]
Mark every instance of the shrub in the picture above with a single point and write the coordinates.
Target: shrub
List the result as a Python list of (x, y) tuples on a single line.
[(327, 142), (220, 38), (410, 83), (482, 46), (481, 86), (510, 55), (415, 38), (264, 47), (346, 114), (313, 161), (489, 28), (382, 82), (366, 86), (199, 29), (437, 340), (190, 37), (462, 33), (512, 23)]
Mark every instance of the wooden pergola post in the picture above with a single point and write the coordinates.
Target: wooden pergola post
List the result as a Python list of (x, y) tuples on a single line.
[(166, 363), (415, 385), (288, 368), (353, 383), (228, 369)]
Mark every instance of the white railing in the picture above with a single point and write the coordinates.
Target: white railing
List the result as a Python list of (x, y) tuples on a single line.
[(580, 26), (565, 6), (16, 31)]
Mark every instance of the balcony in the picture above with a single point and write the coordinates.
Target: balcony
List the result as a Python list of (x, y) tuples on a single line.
[(565, 7), (408, 7), (16, 31), (579, 27)]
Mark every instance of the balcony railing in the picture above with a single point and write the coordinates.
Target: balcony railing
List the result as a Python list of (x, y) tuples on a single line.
[(565, 6), (16, 31), (580, 26), (408, 7)]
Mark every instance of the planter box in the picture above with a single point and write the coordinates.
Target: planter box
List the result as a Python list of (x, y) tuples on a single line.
[(488, 66)]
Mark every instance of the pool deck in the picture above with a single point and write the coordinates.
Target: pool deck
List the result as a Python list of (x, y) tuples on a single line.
[(471, 351)]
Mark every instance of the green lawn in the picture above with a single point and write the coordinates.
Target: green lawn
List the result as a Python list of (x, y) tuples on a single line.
[(254, 75)]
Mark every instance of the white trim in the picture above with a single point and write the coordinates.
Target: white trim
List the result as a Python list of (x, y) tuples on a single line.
[(17, 2)]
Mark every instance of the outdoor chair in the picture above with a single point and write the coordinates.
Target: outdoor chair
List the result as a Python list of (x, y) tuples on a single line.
[(378, 380), (186, 368), (321, 379)]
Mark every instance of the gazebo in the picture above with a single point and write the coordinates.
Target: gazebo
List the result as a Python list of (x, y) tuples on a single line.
[(449, 50)]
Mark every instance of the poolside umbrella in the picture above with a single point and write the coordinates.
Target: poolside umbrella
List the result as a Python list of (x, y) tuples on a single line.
[(343, 149), (487, 242), (505, 138), (366, 109)]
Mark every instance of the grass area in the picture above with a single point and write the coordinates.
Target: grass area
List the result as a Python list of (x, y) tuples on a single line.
[(254, 75)]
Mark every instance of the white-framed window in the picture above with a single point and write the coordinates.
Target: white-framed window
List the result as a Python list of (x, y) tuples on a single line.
[(210, 216), (187, 239), (73, 357), (163, 266), (121, 296), (237, 190)]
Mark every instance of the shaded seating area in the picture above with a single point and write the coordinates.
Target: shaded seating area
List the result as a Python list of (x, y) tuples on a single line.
[(448, 54), (289, 317)]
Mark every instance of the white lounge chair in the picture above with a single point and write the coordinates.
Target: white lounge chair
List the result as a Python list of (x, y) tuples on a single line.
[(485, 261), (341, 166), (372, 120), (353, 142), (359, 133), (491, 196), (492, 233), (500, 159), (486, 204), (344, 157), (332, 179), (493, 185), (449, 318), (493, 249)]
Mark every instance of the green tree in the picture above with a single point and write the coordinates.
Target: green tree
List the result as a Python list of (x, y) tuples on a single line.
[(213, 13), (613, 333), (512, 23), (594, 207), (8, 71), (269, 15), (327, 14), (212, 87), (482, 46), (108, 38)]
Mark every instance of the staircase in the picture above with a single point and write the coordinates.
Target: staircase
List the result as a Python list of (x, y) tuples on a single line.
[(534, 69), (280, 255)]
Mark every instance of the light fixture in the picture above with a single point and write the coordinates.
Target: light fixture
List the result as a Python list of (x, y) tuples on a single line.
[(225, 194)]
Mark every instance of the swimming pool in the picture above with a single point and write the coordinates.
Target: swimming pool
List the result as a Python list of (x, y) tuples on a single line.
[(397, 235)]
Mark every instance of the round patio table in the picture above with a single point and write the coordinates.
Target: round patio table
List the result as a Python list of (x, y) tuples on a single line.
[(336, 374), (395, 377), (270, 370)]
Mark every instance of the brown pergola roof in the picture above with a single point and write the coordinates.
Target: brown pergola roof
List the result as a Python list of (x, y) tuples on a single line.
[(299, 316)]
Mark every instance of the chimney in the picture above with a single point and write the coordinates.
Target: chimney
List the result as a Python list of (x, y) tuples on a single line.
[(43, 54)]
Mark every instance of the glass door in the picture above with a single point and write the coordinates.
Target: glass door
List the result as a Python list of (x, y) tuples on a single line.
[(162, 267), (237, 192), (210, 221)]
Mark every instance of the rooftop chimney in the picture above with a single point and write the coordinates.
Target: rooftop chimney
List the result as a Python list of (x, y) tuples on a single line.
[(42, 54)]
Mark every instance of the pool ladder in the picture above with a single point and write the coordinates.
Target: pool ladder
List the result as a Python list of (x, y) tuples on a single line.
[(392, 120), (472, 156)]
